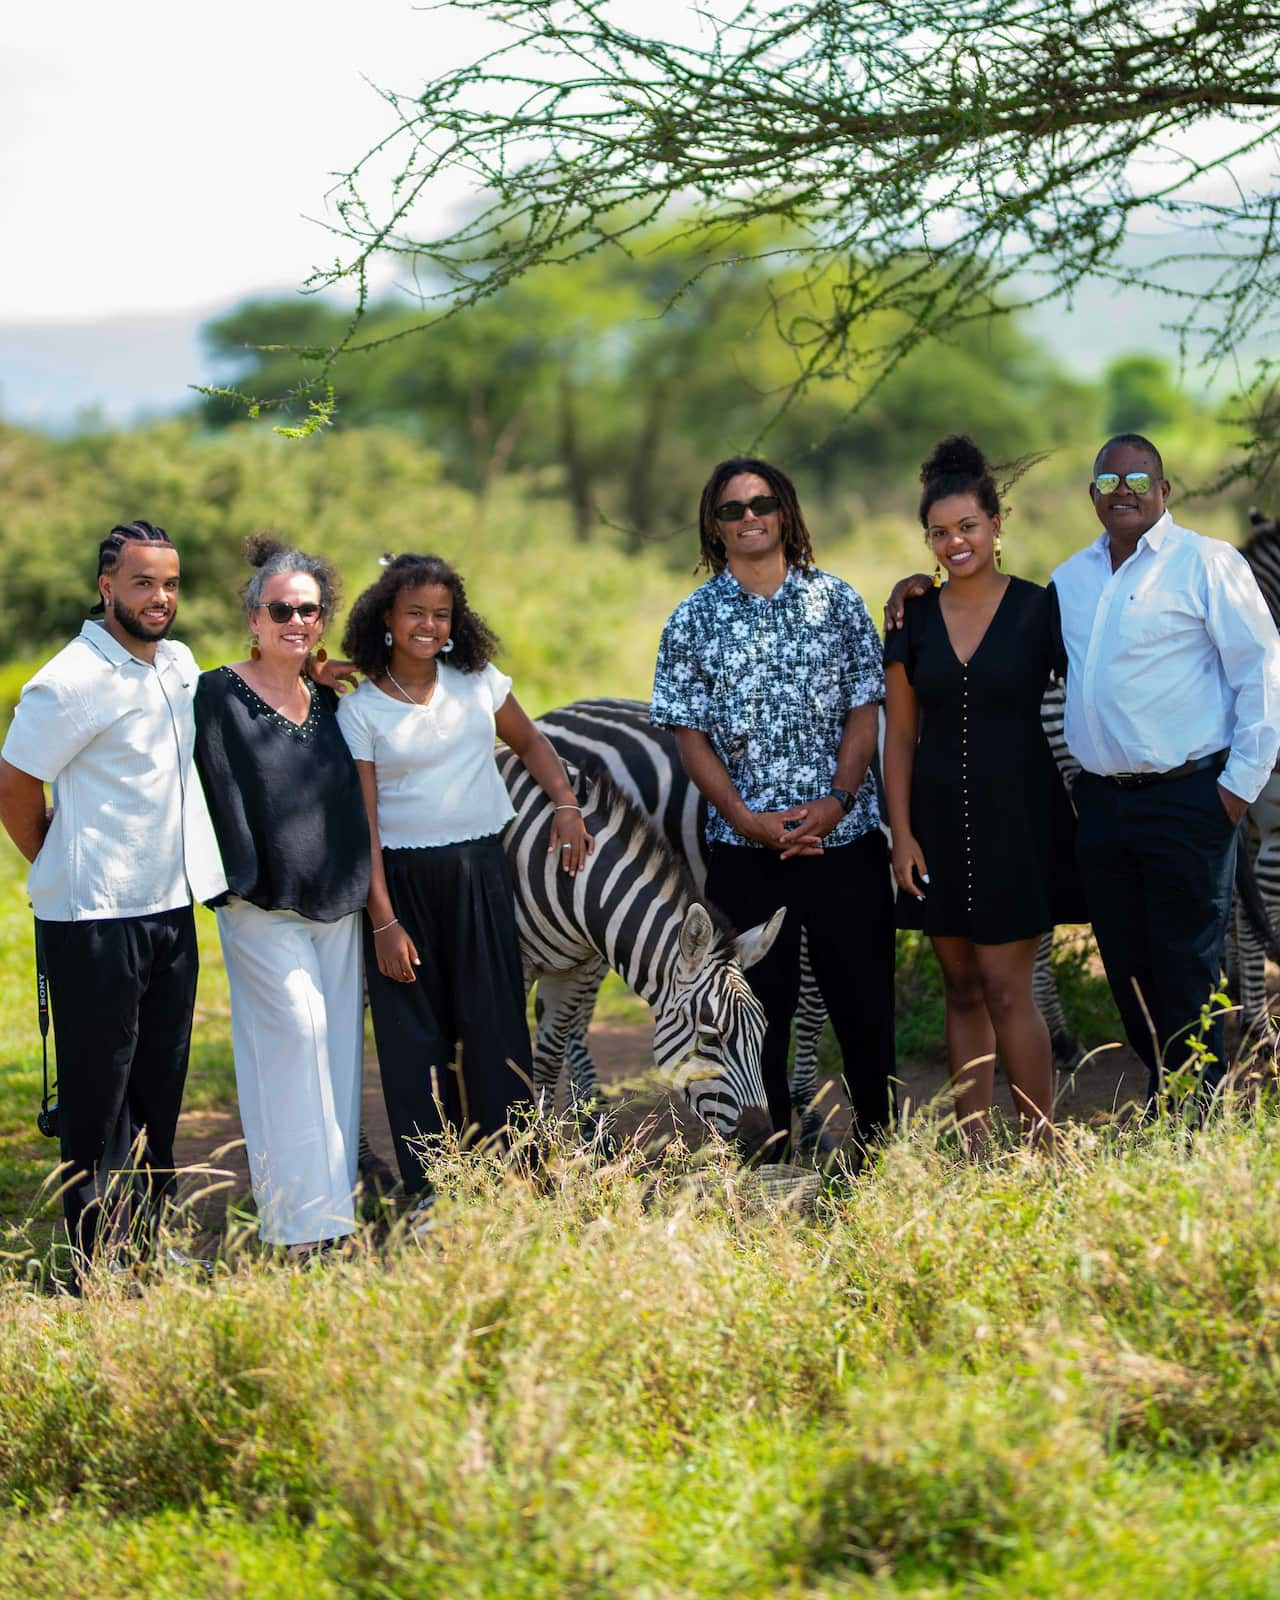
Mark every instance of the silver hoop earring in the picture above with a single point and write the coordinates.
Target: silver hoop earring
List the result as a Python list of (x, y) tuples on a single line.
[(446, 647), (387, 639)]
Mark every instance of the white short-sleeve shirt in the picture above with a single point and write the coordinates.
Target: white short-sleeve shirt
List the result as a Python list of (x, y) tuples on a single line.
[(114, 736), (437, 780)]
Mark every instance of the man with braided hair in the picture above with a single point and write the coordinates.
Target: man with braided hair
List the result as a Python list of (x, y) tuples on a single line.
[(771, 675), (115, 867)]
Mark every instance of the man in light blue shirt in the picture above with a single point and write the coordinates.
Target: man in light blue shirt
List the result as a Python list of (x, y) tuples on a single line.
[(1173, 711)]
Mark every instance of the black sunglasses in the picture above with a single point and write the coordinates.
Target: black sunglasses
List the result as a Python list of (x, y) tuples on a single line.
[(1109, 482), (282, 611), (735, 510)]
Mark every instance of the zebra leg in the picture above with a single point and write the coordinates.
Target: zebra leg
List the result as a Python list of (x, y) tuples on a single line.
[(376, 1177), (811, 1017), (584, 1081), (1261, 837), (567, 1000), (1068, 1052)]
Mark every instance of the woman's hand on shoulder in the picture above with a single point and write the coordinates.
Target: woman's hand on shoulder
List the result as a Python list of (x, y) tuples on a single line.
[(905, 589), (570, 839), (909, 869), (336, 675), (396, 952)]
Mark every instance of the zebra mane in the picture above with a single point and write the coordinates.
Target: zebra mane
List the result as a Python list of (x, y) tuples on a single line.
[(658, 856)]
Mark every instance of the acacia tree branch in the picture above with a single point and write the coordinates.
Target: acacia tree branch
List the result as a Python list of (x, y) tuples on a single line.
[(918, 158)]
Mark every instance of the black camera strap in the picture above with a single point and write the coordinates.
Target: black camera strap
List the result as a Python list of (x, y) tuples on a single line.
[(42, 1012)]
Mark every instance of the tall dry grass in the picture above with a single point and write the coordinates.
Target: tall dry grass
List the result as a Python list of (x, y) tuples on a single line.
[(636, 1379)]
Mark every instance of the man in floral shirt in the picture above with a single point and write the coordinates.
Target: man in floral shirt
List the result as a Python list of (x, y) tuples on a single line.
[(771, 675)]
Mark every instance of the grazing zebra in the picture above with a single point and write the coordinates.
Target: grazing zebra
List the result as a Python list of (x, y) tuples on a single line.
[(616, 736), (1260, 840), (634, 907)]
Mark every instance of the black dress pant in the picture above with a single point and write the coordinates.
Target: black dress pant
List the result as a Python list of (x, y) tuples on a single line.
[(457, 904), (1158, 864), (122, 990), (843, 901)]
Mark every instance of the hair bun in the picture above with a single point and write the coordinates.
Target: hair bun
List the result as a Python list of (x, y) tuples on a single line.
[(260, 547), (955, 456)]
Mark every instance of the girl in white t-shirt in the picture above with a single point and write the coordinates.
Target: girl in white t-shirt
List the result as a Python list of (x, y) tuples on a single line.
[(443, 955)]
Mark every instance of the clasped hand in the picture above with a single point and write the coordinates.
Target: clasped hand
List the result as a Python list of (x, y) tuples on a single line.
[(798, 831)]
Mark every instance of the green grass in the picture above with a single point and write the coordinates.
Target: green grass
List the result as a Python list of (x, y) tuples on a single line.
[(1016, 1380)]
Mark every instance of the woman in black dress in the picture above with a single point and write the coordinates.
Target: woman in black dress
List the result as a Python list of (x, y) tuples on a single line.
[(974, 798)]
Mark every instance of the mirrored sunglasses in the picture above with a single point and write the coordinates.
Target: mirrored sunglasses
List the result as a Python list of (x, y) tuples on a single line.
[(735, 510), (1109, 482), (281, 611)]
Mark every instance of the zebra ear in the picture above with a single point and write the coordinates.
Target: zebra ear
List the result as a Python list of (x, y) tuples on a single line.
[(696, 933), (755, 944)]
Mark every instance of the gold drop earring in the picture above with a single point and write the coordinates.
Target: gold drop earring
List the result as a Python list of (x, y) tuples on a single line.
[(998, 553), (937, 573), (254, 653)]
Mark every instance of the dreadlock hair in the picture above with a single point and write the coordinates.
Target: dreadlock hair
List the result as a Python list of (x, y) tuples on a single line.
[(272, 556), (364, 640), (957, 466), (1139, 441), (123, 533), (795, 534)]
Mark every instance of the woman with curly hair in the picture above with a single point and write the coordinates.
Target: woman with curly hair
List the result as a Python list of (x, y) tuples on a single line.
[(981, 822), (289, 817), (443, 955)]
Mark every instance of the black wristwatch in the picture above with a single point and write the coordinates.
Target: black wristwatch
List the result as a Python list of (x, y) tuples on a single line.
[(845, 798)]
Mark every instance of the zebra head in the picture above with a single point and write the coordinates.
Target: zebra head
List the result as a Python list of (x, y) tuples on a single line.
[(709, 1027)]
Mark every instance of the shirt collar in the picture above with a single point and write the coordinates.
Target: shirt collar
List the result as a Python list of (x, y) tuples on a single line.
[(733, 587), (95, 634), (1155, 536), (1158, 532)]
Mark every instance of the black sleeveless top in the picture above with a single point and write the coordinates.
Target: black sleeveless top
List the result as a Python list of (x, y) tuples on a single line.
[(284, 798)]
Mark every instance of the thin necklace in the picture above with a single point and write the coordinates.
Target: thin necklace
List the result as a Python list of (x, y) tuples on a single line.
[(421, 704)]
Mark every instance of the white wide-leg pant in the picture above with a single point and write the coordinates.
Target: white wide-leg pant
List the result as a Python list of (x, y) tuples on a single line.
[(297, 1029)]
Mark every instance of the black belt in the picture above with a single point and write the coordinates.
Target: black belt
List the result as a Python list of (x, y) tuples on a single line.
[(1143, 780)]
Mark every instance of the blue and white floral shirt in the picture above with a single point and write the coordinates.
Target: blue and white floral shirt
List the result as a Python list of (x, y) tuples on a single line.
[(770, 682)]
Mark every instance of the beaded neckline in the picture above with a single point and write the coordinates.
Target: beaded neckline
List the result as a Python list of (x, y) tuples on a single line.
[(303, 731)]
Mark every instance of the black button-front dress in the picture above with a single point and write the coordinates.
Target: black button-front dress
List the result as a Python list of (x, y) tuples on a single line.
[(988, 806)]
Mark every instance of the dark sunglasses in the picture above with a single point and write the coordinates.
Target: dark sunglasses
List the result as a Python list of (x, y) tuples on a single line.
[(734, 510), (282, 611), (1109, 482)]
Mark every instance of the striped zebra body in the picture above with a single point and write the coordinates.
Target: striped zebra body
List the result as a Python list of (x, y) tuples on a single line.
[(634, 907), (1068, 1052), (1260, 838), (615, 736)]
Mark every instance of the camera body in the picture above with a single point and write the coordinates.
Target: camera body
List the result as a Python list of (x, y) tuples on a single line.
[(48, 1121)]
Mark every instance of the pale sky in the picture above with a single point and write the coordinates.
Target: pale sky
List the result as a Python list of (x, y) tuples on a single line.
[(161, 156)]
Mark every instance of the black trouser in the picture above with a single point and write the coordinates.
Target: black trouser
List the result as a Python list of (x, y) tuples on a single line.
[(122, 990), (1158, 864), (457, 904), (843, 901)]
